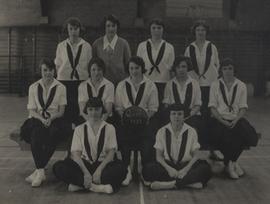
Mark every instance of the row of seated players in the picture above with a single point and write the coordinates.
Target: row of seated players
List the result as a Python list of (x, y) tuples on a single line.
[(45, 128)]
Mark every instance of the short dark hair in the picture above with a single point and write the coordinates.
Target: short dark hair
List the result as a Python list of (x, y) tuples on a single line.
[(176, 107), (200, 23), (94, 102), (99, 62), (157, 21), (74, 21), (180, 59), (49, 64), (226, 62), (137, 60), (112, 18)]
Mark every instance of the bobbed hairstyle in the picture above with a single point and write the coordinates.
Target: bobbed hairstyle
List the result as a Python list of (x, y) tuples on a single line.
[(156, 21), (49, 64), (112, 18), (74, 21), (94, 102), (200, 23), (138, 61), (180, 59), (226, 62), (99, 62)]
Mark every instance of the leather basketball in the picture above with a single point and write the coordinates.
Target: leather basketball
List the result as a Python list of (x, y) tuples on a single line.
[(135, 117)]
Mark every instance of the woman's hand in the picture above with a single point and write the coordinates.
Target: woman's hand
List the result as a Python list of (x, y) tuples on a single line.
[(172, 172), (182, 173)]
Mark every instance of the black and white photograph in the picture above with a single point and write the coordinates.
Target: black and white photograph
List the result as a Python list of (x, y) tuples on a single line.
[(134, 101)]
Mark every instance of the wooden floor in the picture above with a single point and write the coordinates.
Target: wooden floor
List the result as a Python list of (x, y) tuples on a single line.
[(15, 165)]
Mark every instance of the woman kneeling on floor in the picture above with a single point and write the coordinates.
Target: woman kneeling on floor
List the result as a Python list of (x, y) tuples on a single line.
[(177, 164), (92, 165), (44, 128)]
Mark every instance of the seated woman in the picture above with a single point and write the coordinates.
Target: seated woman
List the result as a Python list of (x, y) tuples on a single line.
[(182, 89), (44, 128), (96, 86), (92, 165), (230, 132), (177, 164), (136, 90)]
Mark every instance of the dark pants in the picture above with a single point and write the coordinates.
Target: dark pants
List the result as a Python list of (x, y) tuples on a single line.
[(133, 139), (200, 172), (70, 172), (232, 141), (72, 110), (205, 111), (43, 140), (161, 88), (199, 125)]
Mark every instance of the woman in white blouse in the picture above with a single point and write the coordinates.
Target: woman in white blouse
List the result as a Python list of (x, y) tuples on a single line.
[(230, 131), (205, 62), (72, 58), (158, 56), (45, 127), (97, 86)]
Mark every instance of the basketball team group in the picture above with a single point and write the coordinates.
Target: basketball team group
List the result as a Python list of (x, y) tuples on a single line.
[(106, 103)]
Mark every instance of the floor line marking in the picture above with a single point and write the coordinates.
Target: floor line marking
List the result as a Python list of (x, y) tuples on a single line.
[(141, 193)]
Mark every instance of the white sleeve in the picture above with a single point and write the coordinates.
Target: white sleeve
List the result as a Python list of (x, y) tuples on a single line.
[(63, 95), (159, 138), (118, 98), (111, 141), (76, 140), (58, 59), (31, 98), (213, 97)]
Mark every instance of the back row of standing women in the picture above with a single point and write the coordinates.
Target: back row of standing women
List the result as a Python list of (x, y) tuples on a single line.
[(149, 86)]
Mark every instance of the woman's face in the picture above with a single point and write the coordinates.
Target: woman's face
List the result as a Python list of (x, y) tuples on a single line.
[(176, 117), (73, 31), (182, 69), (94, 113), (156, 31), (110, 28), (46, 73), (135, 71), (96, 72), (200, 32), (227, 71)]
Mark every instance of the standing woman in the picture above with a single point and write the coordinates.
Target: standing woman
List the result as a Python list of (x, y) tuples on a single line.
[(114, 50), (72, 58), (205, 62), (44, 128), (92, 165), (97, 86), (230, 131), (158, 56)]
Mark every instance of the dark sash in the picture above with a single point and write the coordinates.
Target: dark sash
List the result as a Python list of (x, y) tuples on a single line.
[(188, 95), (100, 143), (45, 114), (222, 89), (74, 63), (139, 94), (159, 57), (194, 60), (182, 146), (90, 92)]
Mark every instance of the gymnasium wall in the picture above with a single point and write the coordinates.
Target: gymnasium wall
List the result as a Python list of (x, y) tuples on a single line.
[(245, 38)]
